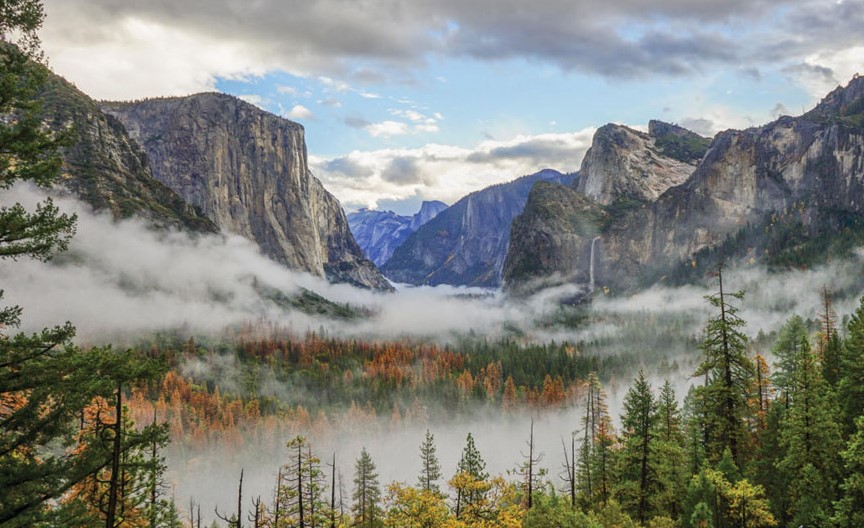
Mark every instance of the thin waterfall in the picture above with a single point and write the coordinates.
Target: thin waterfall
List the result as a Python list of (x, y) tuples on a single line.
[(591, 266)]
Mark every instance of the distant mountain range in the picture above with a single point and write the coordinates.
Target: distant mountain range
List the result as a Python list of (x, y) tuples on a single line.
[(379, 233), (467, 243)]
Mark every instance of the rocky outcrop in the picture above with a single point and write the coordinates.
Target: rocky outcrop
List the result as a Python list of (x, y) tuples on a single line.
[(467, 243), (625, 164), (246, 169), (106, 168), (772, 194), (559, 225), (379, 233)]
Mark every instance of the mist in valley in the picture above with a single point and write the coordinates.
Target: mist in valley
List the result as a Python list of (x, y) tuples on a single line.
[(121, 281)]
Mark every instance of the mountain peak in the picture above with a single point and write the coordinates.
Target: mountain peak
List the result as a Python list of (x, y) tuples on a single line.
[(844, 104)]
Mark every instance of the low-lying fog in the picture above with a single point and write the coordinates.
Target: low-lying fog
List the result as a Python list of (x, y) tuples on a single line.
[(120, 280)]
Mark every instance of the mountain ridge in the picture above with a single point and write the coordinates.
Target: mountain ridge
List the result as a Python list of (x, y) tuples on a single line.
[(807, 169)]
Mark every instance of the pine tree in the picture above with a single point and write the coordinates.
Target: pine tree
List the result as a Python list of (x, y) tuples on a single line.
[(473, 468), (298, 494), (849, 511), (637, 481), (850, 387), (812, 439), (728, 372), (669, 453), (367, 493), (787, 351), (122, 488), (669, 415), (44, 382), (430, 468)]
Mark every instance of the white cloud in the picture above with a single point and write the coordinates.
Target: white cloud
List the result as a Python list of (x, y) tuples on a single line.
[(387, 129), (253, 99), (299, 111), (445, 172), (138, 59)]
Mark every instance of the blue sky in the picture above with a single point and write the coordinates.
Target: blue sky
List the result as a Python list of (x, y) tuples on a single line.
[(431, 99)]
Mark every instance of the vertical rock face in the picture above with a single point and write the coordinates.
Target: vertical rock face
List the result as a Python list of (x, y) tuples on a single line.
[(625, 164), (467, 243), (379, 233), (246, 169), (754, 189)]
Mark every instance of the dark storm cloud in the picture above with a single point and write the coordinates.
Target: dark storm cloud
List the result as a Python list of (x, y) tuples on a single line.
[(615, 38)]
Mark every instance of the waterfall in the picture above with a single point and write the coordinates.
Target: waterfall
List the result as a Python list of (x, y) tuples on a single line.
[(591, 266)]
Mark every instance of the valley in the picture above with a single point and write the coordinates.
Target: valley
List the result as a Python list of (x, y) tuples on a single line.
[(662, 330)]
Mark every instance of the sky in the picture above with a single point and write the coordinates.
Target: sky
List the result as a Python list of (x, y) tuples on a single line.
[(404, 101)]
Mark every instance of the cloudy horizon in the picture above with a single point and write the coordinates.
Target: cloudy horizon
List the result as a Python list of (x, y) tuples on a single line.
[(406, 101)]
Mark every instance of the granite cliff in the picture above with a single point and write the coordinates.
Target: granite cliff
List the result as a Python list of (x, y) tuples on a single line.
[(625, 164), (246, 169), (786, 193)]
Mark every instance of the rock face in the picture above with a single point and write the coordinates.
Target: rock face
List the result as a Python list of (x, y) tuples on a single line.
[(467, 243), (246, 169), (107, 169), (559, 224), (379, 233), (772, 194), (625, 164)]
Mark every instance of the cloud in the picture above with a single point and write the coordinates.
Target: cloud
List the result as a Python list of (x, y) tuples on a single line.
[(446, 172), (356, 122), (122, 280), (402, 170), (387, 129), (125, 48), (253, 99), (299, 111)]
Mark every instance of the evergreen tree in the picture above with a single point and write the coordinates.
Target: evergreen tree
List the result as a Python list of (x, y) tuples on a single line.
[(367, 493), (430, 468), (298, 494), (669, 415), (121, 490), (472, 468), (695, 431), (637, 482), (44, 381), (787, 351), (812, 439), (849, 511), (770, 454), (595, 457), (669, 453), (850, 388), (728, 373)]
